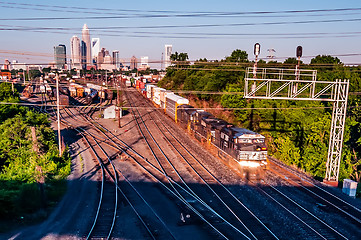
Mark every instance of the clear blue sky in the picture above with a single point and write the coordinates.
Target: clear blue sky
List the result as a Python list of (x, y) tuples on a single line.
[(143, 28)]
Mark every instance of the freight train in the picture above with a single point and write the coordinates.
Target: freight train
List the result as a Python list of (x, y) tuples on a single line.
[(243, 149)]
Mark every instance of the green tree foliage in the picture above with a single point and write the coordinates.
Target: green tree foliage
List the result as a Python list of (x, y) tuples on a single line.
[(238, 56), (292, 60), (180, 57), (325, 59), (20, 161)]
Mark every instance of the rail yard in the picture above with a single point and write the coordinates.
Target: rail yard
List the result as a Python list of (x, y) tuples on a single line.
[(159, 178)]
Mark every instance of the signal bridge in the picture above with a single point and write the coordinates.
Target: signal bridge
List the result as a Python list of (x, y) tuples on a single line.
[(297, 84)]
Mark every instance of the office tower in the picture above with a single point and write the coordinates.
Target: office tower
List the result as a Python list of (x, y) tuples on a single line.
[(87, 46), (116, 59), (167, 53), (75, 52), (83, 54), (95, 48), (133, 63), (60, 56)]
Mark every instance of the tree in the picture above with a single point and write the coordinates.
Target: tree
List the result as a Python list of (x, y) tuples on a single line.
[(238, 56), (325, 59), (292, 60), (180, 57)]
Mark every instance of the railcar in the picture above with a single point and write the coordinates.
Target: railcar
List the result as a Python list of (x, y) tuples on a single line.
[(64, 90), (63, 100), (172, 103), (89, 99)]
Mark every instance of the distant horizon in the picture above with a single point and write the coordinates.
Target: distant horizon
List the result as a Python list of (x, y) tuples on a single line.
[(209, 29)]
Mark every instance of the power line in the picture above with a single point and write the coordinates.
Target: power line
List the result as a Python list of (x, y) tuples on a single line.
[(186, 13), (153, 108)]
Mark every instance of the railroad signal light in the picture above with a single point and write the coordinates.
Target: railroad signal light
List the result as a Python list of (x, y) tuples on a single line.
[(257, 49), (299, 51)]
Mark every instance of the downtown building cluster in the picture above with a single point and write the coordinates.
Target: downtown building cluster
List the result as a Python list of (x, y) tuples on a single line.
[(87, 54)]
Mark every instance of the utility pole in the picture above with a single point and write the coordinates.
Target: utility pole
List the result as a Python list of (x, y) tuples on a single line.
[(58, 112), (118, 101)]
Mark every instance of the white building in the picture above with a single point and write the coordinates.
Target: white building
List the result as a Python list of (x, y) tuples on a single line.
[(95, 47), (75, 55), (17, 66), (143, 63), (167, 53)]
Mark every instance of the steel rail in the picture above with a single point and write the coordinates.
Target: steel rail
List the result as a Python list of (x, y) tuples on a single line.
[(215, 178)]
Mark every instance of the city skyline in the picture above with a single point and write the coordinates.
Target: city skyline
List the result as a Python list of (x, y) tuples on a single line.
[(211, 30)]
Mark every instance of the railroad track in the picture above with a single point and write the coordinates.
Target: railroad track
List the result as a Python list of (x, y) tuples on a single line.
[(313, 228), (326, 199), (253, 228), (147, 226)]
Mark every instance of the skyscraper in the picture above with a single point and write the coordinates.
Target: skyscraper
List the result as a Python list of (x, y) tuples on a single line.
[(133, 63), (95, 48), (75, 52), (116, 59), (60, 56), (87, 46), (167, 53)]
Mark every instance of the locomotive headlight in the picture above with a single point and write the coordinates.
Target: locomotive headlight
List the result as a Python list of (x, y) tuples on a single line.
[(249, 164), (264, 148)]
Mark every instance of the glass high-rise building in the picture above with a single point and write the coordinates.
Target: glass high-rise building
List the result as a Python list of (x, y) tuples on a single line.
[(75, 52), (60, 56), (87, 55), (95, 48), (116, 59)]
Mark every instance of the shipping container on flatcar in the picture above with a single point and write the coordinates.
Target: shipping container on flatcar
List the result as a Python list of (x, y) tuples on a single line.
[(163, 95), (137, 82), (72, 91), (79, 91), (149, 91), (156, 95), (172, 103), (141, 86)]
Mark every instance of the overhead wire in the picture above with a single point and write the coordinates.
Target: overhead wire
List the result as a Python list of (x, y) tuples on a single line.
[(110, 10), (152, 108)]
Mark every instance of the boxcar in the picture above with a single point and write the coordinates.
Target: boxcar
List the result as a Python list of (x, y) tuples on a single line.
[(63, 100)]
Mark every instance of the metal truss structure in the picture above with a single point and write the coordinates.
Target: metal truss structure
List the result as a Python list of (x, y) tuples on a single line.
[(297, 84)]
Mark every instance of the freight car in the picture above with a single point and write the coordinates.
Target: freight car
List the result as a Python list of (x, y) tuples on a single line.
[(63, 100), (89, 99)]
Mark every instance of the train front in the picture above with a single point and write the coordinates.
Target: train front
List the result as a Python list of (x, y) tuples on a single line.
[(251, 151)]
